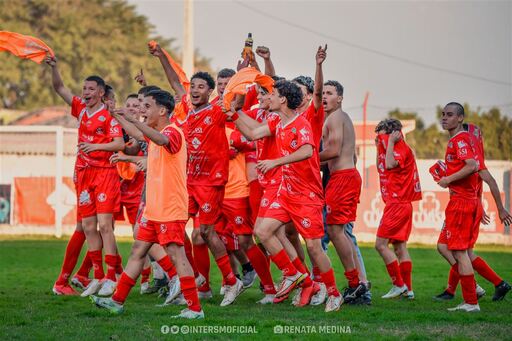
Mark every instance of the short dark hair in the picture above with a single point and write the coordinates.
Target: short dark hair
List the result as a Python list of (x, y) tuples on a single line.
[(337, 86), (291, 91), (226, 73), (145, 89), (460, 108), (162, 98), (206, 77), (132, 96), (98, 80), (389, 125), (109, 90), (307, 82)]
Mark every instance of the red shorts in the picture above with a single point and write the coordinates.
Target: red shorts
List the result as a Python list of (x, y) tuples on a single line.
[(255, 194), (237, 213), (98, 191), (462, 223), (307, 218), (251, 157), (206, 202), (342, 196), (396, 222), (131, 211), (268, 197), (163, 233), (226, 234)]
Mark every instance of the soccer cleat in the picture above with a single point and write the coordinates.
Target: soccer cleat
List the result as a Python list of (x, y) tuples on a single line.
[(232, 292), (92, 288), (501, 290), (200, 280), (469, 308), (351, 294), (64, 290), (222, 290), (480, 292), (248, 278), (280, 299), (362, 300), (333, 303), (289, 283), (396, 291), (189, 314), (409, 295), (144, 288), (444, 296), (320, 296), (107, 288), (307, 293), (267, 299), (156, 284), (80, 281), (107, 303), (205, 295), (174, 290), (296, 297)]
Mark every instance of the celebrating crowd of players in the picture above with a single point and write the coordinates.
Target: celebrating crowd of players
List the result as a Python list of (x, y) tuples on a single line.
[(250, 178)]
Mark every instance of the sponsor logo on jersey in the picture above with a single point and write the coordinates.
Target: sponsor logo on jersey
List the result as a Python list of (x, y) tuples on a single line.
[(102, 118), (84, 198), (306, 223), (196, 143), (102, 197)]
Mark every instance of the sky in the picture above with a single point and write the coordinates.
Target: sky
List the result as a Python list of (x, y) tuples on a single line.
[(406, 54)]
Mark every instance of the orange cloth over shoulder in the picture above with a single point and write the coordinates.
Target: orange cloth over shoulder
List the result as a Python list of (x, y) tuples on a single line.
[(241, 80), (26, 47)]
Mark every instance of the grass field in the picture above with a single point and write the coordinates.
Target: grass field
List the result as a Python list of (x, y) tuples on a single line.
[(29, 310)]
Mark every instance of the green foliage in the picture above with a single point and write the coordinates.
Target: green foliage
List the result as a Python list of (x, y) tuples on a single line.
[(103, 37), (430, 142)]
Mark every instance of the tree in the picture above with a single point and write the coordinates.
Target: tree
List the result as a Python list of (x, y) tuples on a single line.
[(103, 37)]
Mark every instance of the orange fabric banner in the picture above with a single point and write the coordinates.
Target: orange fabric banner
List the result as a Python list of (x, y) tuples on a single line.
[(22, 46), (241, 80)]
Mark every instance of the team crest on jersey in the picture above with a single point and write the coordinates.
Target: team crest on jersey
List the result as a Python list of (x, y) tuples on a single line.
[(163, 228), (207, 120), (239, 220), (293, 144), (264, 202), (206, 207), (196, 143), (102, 118), (102, 197), (306, 223), (84, 198)]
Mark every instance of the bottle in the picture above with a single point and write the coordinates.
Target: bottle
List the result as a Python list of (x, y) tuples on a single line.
[(247, 51)]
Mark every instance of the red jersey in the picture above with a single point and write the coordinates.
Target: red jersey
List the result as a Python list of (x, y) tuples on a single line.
[(301, 182), (98, 127), (207, 145), (477, 143), (402, 183), (459, 149), (316, 120), (266, 148)]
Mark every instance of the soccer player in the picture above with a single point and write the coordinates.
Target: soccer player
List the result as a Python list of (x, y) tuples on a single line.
[(166, 210), (300, 197), (399, 187), (463, 211), (344, 186), (207, 169), (479, 265), (99, 135)]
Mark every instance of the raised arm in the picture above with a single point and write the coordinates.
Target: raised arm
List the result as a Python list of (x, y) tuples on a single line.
[(250, 128), (391, 162), (58, 84), (486, 176), (120, 115), (264, 52), (321, 54), (171, 75)]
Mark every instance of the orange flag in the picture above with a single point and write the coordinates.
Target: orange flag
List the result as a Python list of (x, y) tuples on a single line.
[(241, 80), (22, 46)]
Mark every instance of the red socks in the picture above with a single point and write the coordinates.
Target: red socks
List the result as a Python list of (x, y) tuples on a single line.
[(225, 269), (188, 288), (406, 271), (111, 261), (453, 279), (188, 252), (302, 268), (330, 283), (97, 263), (484, 270), (124, 286), (202, 258), (317, 277), (352, 277), (284, 264), (145, 274), (86, 266), (167, 266), (394, 273), (71, 256), (119, 264), (259, 262), (468, 284), (255, 193)]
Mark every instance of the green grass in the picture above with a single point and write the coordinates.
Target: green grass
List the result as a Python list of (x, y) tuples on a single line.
[(29, 310)]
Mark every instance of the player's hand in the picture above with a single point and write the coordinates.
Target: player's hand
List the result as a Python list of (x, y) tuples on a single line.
[(117, 157), (444, 182), (233, 152), (395, 136), (263, 52), (52, 61), (505, 217), (140, 78), (266, 165), (485, 219), (155, 50), (142, 165), (242, 64), (321, 54), (87, 147)]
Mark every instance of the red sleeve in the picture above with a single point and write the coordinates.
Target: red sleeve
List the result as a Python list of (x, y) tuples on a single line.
[(76, 106), (240, 143), (175, 140), (114, 128), (400, 153), (220, 116), (272, 123), (463, 148), (251, 98)]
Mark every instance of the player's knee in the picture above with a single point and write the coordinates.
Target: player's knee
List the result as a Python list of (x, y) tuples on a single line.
[(261, 233), (380, 246), (105, 227), (196, 237), (441, 248)]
